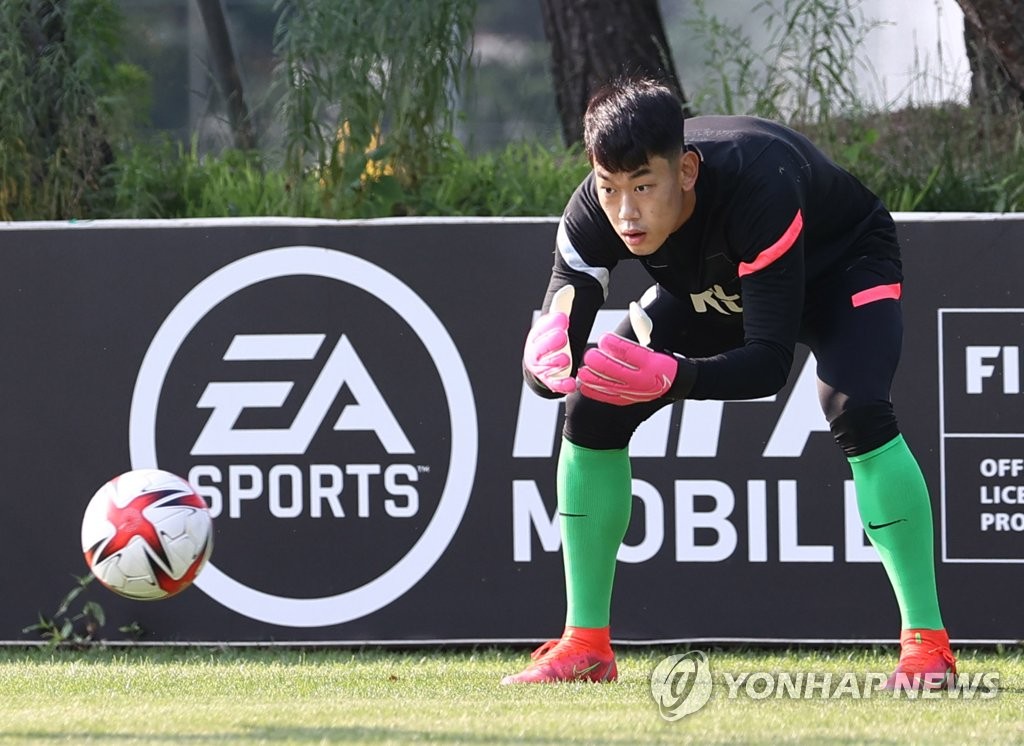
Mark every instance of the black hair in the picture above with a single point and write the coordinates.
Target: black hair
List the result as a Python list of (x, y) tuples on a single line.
[(629, 121)]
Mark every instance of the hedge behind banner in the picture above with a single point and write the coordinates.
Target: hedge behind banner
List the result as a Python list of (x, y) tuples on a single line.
[(348, 398)]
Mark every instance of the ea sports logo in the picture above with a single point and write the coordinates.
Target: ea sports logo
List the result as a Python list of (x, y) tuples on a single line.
[(321, 407)]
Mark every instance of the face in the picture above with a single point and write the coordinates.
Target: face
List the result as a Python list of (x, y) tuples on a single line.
[(646, 205)]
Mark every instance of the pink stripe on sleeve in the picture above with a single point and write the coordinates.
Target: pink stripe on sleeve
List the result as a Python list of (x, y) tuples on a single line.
[(777, 249), (879, 292)]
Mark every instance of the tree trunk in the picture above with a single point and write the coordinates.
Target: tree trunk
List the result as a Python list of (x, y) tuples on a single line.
[(593, 41), (991, 88), (44, 30), (225, 67), (994, 36)]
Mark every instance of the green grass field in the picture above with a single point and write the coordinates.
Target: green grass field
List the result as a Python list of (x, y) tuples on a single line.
[(198, 696)]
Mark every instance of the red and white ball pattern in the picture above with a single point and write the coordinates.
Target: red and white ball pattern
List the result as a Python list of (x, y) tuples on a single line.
[(146, 534)]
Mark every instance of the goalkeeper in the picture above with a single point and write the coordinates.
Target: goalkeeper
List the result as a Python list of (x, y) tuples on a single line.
[(755, 241)]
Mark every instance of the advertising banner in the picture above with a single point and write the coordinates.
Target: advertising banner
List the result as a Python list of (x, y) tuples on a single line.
[(348, 398)]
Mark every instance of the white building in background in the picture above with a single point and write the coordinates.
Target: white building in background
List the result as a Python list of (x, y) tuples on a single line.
[(919, 55), (916, 53)]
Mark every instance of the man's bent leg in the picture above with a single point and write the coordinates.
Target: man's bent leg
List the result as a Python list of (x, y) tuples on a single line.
[(595, 494), (857, 346), (595, 497), (896, 513), (594, 501)]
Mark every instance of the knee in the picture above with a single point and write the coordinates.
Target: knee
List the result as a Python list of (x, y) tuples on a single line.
[(862, 428)]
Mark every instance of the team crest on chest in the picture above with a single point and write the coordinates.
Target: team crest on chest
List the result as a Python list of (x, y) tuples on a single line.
[(716, 298)]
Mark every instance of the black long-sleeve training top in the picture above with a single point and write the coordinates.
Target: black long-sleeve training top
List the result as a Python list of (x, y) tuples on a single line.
[(773, 216)]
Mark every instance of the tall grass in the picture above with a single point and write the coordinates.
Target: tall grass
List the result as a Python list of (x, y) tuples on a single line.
[(65, 102), (364, 109), (938, 158), (366, 91), (943, 157), (368, 134), (171, 180), (521, 179), (804, 72)]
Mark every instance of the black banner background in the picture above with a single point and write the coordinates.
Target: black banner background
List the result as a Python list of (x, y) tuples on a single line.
[(81, 304)]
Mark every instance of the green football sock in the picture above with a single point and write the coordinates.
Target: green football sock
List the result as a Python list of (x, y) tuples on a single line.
[(595, 496), (896, 513)]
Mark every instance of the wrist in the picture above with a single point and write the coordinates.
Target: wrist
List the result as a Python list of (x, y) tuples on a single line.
[(686, 377)]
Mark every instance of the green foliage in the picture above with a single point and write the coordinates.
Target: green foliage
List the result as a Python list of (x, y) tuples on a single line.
[(364, 109), (64, 101), (935, 159), (939, 158), (67, 626), (366, 89), (521, 179), (929, 159), (168, 180)]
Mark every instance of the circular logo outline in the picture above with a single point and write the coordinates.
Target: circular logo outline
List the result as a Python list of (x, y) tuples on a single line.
[(670, 673), (337, 265)]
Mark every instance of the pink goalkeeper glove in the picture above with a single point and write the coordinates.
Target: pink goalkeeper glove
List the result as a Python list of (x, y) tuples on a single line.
[(547, 355), (620, 371)]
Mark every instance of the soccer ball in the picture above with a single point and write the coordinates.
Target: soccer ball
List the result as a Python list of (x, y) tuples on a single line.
[(146, 534)]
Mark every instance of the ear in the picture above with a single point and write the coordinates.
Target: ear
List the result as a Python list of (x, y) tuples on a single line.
[(689, 168)]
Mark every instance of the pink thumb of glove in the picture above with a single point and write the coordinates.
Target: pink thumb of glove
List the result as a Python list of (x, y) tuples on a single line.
[(547, 354)]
